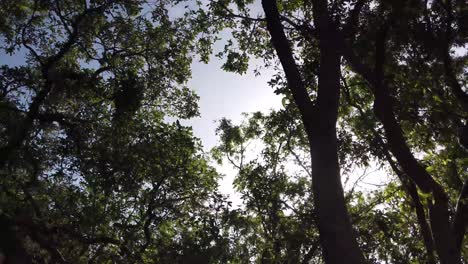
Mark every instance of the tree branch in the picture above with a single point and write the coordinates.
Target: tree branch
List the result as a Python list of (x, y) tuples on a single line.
[(408, 185), (353, 19), (383, 107), (17, 139), (460, 219), (285, 54)]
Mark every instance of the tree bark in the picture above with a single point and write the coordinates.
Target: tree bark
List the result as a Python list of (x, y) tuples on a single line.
[(337, 237)]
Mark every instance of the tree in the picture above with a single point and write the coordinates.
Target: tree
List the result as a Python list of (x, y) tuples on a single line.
[(275, 193), (90, 171), (269, 153), (385, 47)]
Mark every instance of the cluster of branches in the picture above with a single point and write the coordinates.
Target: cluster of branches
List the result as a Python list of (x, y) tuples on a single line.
[(92, 173)]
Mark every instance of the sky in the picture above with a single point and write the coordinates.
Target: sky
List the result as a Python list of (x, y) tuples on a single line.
[(227, 95), (224, 94)]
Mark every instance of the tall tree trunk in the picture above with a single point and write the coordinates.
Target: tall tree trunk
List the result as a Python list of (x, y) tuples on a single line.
[(445, 243), (336, 233), (408, 185)]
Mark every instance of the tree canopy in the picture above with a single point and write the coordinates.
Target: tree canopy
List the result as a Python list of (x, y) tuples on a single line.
[(95, 166)]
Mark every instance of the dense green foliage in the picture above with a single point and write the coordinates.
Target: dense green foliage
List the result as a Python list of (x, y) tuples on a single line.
[(92, 170)]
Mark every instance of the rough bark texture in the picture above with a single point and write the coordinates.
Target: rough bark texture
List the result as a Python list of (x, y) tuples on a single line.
[(336, 234)]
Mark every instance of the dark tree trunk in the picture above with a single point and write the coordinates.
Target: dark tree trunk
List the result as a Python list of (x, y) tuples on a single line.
[(444, 241), (336, 233), (409, 187)]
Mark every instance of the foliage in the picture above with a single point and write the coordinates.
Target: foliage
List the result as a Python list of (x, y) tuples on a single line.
[(92, 171), (274, 186)]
